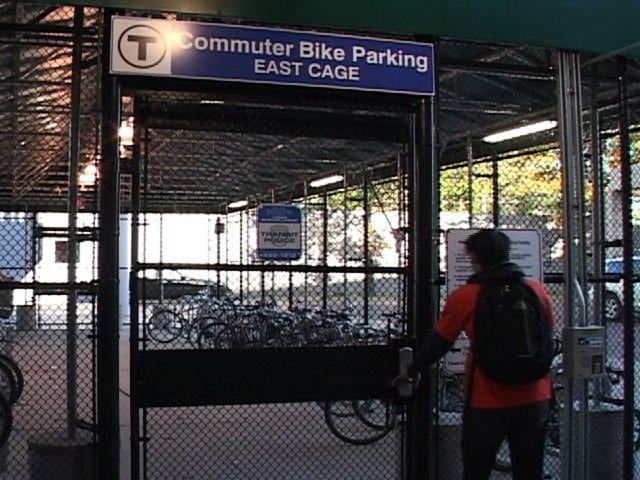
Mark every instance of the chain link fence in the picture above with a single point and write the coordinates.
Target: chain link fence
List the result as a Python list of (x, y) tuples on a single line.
[(524, 191), (344, 285), (54, 400), (192, 195)]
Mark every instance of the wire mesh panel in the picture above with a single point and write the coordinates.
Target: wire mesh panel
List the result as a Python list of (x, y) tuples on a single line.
[(520, 192), (47, 320), (203, 285), (289, 441), (619, 203), (523, 190)]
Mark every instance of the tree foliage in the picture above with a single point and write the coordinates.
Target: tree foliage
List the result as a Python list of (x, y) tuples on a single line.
[(528, 185)]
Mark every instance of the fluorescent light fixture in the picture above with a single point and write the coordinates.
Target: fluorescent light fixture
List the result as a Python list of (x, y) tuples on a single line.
[(521, 131), (321, 182), (239, 204)]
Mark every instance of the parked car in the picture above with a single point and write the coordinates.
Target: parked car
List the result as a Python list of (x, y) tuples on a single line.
[(175, 285), (613, 290)]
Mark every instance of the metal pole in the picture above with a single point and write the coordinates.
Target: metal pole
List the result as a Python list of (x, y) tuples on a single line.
[(400, 234), (570, 107), (470, 179), (345, 237), (598, 199), (495, 191), (597, 221), (219, 230), (414, 423), (72, 219), (627, 276), (325, 248), (424, 305), (305, 229), (241, 240), (367, 259), (108, 362), (134, 344)]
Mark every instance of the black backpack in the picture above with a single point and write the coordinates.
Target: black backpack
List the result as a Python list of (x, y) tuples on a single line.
[(513, 338)]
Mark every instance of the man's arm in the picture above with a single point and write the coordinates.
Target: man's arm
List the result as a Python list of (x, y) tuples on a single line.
[(457, 312), (432, 349)]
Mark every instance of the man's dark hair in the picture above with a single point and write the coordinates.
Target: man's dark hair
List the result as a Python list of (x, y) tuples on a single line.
[(489, 247)]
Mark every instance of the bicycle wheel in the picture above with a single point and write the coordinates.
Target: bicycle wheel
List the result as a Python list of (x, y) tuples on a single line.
[(346, 424), (17, 374), (6, 420), (207, 336), (375, 413), (196, 326), (503, 458), (8, 385), (230, 337), (164, 325)]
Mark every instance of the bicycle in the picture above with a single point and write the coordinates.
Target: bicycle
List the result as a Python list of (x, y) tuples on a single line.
[(11, 388), (362, 422), (189, 316)]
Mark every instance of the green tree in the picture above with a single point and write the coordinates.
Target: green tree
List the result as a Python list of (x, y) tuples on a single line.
[(528, 185)]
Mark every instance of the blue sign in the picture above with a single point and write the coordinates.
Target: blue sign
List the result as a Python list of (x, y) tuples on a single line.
[(143, 46), (279, 232)]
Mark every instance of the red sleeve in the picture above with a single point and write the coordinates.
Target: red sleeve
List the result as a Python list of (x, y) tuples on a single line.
[(458, 311)]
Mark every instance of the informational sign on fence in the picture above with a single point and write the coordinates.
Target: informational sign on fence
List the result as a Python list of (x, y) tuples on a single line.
[(455, 359), (526, 251), (279, 232), (143, 46)]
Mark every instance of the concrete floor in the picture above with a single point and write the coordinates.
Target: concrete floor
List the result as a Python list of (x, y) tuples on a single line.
[(289, 442)]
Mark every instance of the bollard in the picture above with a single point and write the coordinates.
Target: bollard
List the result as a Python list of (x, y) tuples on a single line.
[(53, 456)]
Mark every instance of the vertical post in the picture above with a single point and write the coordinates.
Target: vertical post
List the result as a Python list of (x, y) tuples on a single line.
[(226, 244), (597, 221), (424, 306), (325, 248), (124, 267), (495, 191), (134, 343), (305, 229), (570, 108), (470, 179), (400, 236), (367, 258), (219, 230), (108, 410), (240, 246), (160, 253), (627, 276), (345, 238), (598, 199), (72, 220)]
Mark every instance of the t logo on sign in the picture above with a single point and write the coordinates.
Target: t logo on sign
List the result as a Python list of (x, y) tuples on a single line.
[(142, 46)]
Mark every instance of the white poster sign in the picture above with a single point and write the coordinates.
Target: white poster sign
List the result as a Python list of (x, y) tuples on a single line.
[(526, 252)]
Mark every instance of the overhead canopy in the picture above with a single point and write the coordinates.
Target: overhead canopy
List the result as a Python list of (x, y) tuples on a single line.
[(601, 26), (483, 88)]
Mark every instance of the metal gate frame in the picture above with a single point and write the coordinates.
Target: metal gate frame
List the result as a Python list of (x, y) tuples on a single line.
[(165, 378)]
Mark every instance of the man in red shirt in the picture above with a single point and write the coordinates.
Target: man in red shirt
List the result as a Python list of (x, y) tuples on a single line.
[(494, 411)]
